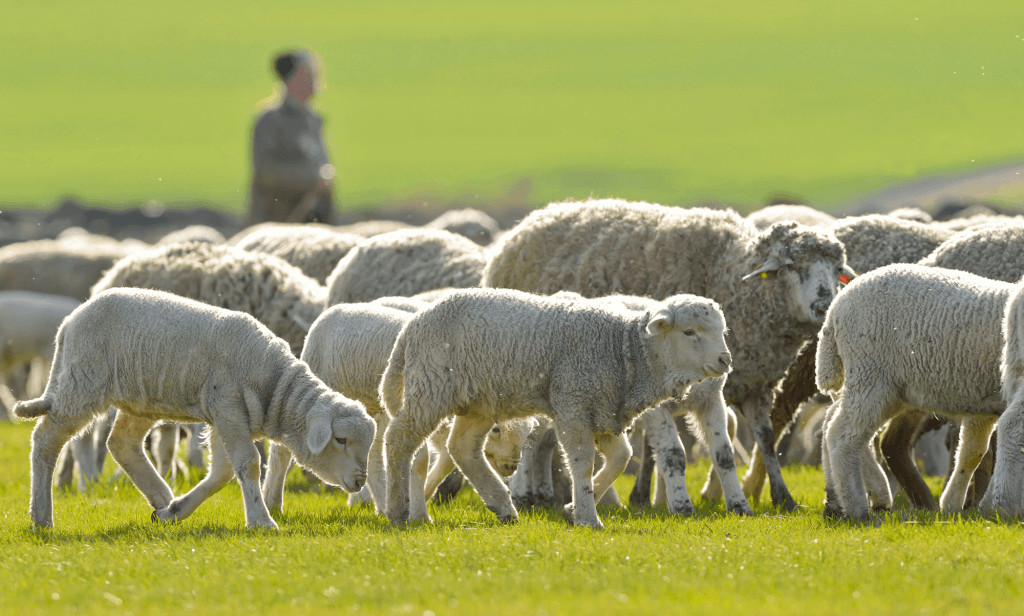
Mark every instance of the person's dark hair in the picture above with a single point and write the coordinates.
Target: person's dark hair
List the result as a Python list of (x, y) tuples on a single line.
[(286, 63)]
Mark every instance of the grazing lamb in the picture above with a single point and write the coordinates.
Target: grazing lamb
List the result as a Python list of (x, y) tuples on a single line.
[(768, 216), (58, 267), (157, 356), (469, 223), (404, 263), (314, 249), (488, 355), (774, 286), (908, 336)]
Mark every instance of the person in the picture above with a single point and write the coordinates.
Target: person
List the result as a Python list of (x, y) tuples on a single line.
[(292, 178)]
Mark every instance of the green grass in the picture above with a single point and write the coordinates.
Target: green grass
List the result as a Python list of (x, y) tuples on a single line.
[(486, 102), (105, 556)]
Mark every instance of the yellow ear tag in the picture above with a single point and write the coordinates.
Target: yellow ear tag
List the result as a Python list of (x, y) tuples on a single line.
[(764, 274)]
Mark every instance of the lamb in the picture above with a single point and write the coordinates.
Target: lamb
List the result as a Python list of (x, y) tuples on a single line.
[(193, 233), (279, 295), (908, 335), (404, 263), (348, 348), (486, 355), (57, 267), (315, 249), (157, 356), (767, 216), (774, 287), (469, 223)]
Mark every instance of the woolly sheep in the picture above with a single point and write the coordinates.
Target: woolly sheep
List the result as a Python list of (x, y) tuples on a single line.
[(58, 267), (871, 242), (314, 249), (767, 216), (908, 335), (157, 356), (193, 233), (405, 304), (279, 295), (774, 286), (911, 213), (371, 228), (487, 355), (404, 263), (469, 223)]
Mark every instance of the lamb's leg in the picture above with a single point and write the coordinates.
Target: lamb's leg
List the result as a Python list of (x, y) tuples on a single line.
[(974, 434), (101, 431), (195, 445), (126, 447), (520, 483), (376, 481), (403, 437), (712, 419), (164, 447), (438, 471), (578, 446), (417, 493), (616, 450), (897, 442), (1005, 494), (245, 461), (65, 467), (543, 470), (756, 411), (466, 446), (832, 507), (875, 481), (853, 425), (279, 461), (83, 448), (640, 496), (663, 438), (48, 438), (217, 477)]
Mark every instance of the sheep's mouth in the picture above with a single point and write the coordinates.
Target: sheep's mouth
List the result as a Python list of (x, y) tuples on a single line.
[(713, 373)]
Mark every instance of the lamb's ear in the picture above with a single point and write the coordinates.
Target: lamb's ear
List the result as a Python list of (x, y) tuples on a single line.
[(660, 323), (771, 265), (320, 432)]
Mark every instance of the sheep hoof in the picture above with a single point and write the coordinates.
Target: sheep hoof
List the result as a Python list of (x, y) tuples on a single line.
[(686, 510), (832, 512), (262, 525), (741, 508), (782, 499), (509, 519), (880, 509)]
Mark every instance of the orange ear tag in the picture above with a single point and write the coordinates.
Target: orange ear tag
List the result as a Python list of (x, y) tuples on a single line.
[(843, 278)]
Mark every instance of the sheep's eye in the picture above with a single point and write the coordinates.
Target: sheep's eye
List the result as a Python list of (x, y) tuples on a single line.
[(342, 441), (689, 332), (495, 430)]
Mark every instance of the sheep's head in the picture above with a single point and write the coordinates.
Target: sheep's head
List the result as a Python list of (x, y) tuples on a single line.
[(807, 264), (339, 433), (504, 446), (687, 334)]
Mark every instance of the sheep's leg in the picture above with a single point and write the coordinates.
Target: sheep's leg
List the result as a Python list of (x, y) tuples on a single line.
[(403, 437), (616, 450), (246, 462), (48, 438), (974, 434), (65, 472), (376, 481), (466, 446), (164, 447), (543, 471), (661, 434), (101, 430), (279, 461), (195, 445), (1005, 494), (756, 411), (849, 433), (753, 481), (83, 449), (520, 483), (713, 420), (896, 442), (578, 446), (217, 477), (875, 481), (438, 471), (126, 447), (417, 492), (832, 507), (640, 496)]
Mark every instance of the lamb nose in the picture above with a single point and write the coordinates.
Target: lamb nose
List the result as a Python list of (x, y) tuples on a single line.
[(725, 359)]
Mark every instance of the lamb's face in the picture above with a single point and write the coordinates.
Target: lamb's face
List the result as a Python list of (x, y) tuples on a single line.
[(340, 434), (688, 337), (504, 446)]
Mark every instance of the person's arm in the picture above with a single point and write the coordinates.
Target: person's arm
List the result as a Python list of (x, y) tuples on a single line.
[(271, 173)]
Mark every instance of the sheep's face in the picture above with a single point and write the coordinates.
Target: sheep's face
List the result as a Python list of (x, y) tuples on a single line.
[(688, 337), (504, 446), (812, 287), (340, 433)]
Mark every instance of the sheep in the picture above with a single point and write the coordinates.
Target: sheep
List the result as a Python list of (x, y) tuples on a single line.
[(774, 286), (767, 216), (348, 348), (469, 223), (193, 233), (405, 304), (404, 263), (492, 354), (28, 326), (157, 356), (1005, 495), (871, 242), (911, 213), (279, 295), (908, 335), (57, 267), (371, 228), (314, 249)]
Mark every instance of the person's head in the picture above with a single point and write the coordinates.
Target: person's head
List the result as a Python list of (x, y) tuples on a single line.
[(298, 71)]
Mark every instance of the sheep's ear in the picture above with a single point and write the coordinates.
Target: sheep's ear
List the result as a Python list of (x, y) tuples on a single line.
[(320, 432), (771, 265), (660, 323)]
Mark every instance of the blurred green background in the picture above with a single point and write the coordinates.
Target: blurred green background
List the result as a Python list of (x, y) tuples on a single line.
[(526, 102)]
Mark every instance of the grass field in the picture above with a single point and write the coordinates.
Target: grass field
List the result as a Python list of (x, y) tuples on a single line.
[(105, 556), (486, 102)]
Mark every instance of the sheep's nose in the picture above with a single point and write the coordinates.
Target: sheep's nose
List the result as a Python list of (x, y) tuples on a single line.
[(360, 479), (725, 360)]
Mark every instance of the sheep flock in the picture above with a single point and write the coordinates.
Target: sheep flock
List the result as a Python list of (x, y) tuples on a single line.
[(536, 363)]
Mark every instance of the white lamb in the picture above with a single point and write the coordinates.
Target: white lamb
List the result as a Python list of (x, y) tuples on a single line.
[(158, 356), (487, 355)]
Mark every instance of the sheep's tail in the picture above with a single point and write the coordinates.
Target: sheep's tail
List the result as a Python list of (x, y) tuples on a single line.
[(32, 408), (829, 370), (392, 385), (42, 405)]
